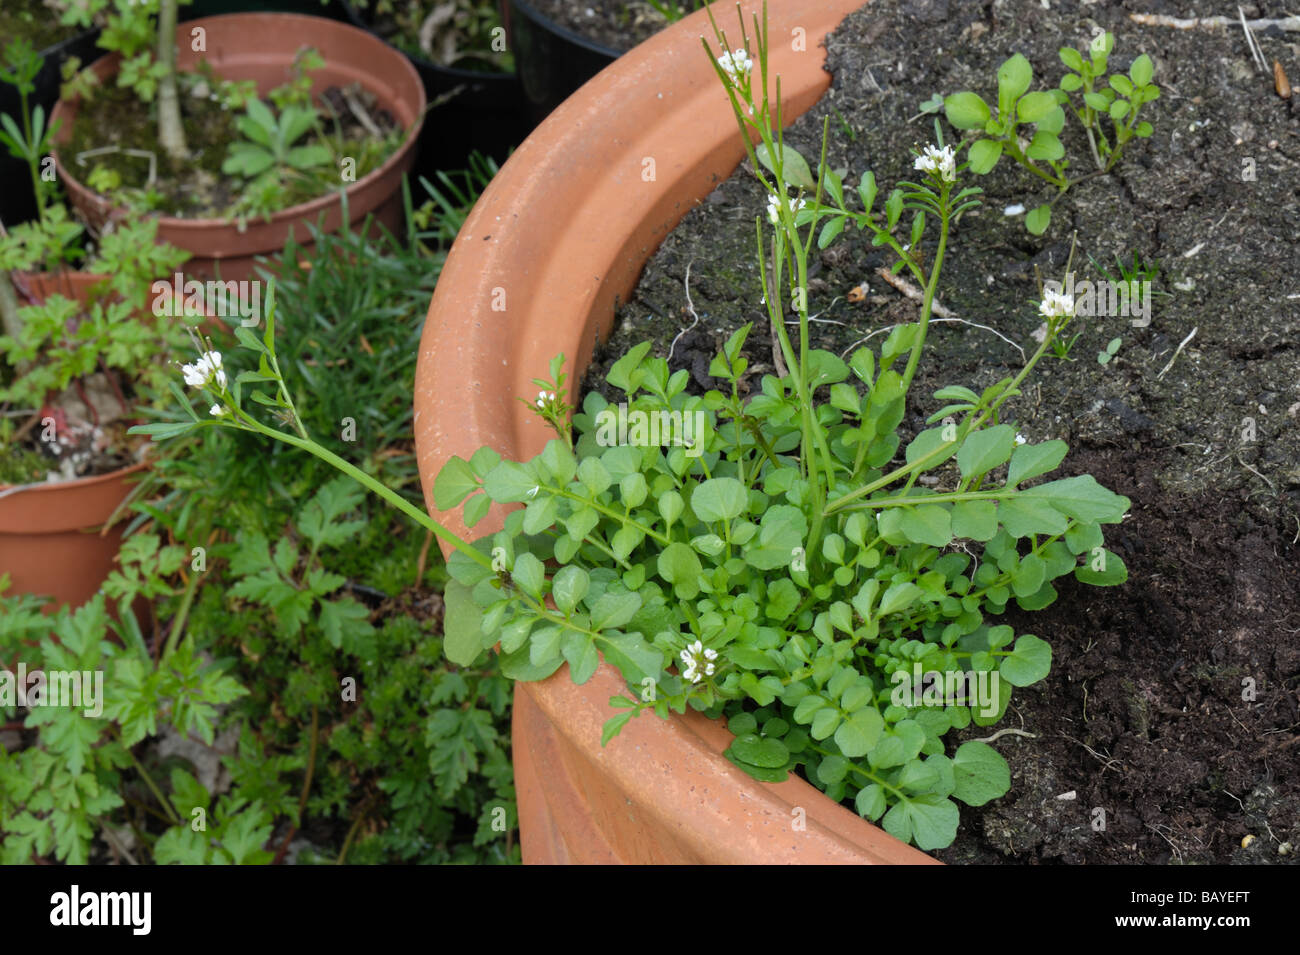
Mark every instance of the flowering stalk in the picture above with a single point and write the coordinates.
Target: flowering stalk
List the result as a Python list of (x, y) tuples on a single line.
[(208, 376)]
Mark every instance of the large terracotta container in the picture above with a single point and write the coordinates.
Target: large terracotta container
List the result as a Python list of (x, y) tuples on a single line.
[(563, 232), (52, 536), (261, 47)]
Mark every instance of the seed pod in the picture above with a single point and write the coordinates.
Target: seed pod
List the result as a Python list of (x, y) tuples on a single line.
[(1280, 82), (857, 293)]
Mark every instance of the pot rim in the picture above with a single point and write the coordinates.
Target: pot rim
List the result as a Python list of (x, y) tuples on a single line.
[(564, 230), (532, 13), (109, 63)]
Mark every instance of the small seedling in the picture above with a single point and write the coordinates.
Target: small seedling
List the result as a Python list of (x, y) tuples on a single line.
[(1017, 107), (1104, 357)]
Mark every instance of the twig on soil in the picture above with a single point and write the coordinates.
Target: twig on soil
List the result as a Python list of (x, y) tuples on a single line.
[(111, 838), (1256, 53), (1177, 351), (1256, 473), (1006, 732), (1106, 761), (690, 307), (912, 292), (362, 116), (1210, 23)]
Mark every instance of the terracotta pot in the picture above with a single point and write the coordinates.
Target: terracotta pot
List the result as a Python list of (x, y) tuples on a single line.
[(261, 47), (52, 537), (564, 231)]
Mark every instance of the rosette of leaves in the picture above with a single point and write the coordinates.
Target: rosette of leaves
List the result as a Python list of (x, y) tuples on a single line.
[(1119, 96), (636, 553)]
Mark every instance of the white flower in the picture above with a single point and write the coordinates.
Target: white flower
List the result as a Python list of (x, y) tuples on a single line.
[(217, 411), (543, 397), (941, 162), (736, 64), (203, 371), (774, 208), (1020, 439), (1056, 305), (697, 661)]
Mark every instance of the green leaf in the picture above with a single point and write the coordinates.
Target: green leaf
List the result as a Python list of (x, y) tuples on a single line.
[(626, 373), (966, 111), (870, 802), (580, 653), (1029, 662), (612, 611), (859, 732), (975, 520), (1072, 59), (1014, 77), (1071, 82), (462, 638), (1111, 570), (719, 499), (680, 566), (1037, 220), (568, 587), (1034, 106), (1141, 70), (455, 482), (509, 482), (980, 772), (1024, 516), (898, 597), (985, 449), (984, 155), (1032, 460), (528, 574), (1045, 145), (1118, 109), (867, 190), (929, 820), (1081, 498), (794, 168), (927, 524), (1121, 85), (757, 751)]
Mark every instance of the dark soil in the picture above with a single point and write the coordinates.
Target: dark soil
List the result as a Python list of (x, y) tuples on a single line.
[(616, 24), (33, 21), (1148, 712)]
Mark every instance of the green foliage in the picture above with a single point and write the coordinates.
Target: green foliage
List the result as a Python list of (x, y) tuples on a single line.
[(1001, 131)]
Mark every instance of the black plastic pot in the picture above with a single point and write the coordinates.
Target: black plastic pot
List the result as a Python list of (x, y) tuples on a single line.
[(552, 61), (469, 111), (17, 202)]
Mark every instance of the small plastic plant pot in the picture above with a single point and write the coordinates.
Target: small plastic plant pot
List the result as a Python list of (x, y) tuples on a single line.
[(552, 61)]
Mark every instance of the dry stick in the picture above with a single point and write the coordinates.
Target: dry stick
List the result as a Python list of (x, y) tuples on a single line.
[(1006, 732), (1261, 477), (912, 292), (362, 116), (1210, 23), (690, 307), (1256, 53), (1177, 351)]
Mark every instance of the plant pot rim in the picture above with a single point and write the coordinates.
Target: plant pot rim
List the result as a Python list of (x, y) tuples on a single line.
[(563, 232), (108, 65), (10, 490), (564, 32), (425, 63)]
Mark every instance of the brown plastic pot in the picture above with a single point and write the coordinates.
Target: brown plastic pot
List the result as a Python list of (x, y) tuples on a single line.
[(52, 536), (562, 233), (261, 47)]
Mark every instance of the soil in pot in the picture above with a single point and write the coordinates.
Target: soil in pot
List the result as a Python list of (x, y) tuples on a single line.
[(616, 24), (116, 119), (1171, 707)]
